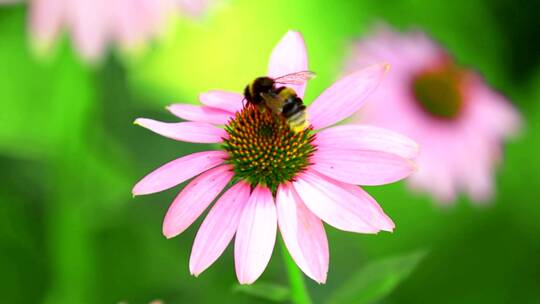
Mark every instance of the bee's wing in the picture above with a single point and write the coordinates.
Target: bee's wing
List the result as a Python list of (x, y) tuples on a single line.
[(298, 78), (273, 101)]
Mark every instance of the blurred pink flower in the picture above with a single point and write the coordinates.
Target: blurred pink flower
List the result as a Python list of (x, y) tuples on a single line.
[(279, 178), (457, 119), (95, 23)]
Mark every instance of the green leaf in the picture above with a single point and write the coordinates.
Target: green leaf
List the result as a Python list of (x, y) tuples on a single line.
[(377, 279), (268, 291)]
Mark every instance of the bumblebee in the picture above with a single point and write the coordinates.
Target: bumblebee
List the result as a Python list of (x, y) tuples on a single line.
[(265, 93)]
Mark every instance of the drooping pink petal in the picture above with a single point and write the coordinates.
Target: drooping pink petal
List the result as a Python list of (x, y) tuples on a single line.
[(478, 176), (218, 228), (479, 185), (361, 167), (440, 186), (196, 132), (345, 97), (256, 236), (491, 111), (89, 22), (133, 21), (303, 234), (194, 199), (178, 171), (154, 15), (46, 17), (369, 138), (436, 172), (200, 113), (334, 203), (227, 101), (194, 8), (289, 56)]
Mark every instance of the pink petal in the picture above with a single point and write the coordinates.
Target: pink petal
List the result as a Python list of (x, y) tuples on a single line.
[(346, 96), (303, 233), (227, 101), (194, 8), (436, 172), (255, 236), (178, 171), (196, 132), (194, 198), (358, 137), (218, 228), (339, 206), (46, 17), (132, 22), (371, 211), (361, 167), (200, 113), (154, 14), (492, 111), (479, 186), (289, 56), (126, 23), (89, 23), (478, 178)]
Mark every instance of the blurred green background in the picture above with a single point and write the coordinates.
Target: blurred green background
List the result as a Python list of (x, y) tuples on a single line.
[(70, 231)]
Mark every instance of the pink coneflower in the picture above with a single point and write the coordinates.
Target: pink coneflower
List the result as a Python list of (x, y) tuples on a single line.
[(93, 24), (458, 121), (278, 177)]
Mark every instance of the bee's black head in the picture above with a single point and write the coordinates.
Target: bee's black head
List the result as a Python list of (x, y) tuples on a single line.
[(253, 91), (263, 84)]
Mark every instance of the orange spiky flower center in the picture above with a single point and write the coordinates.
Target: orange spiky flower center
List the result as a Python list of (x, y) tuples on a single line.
[(263, 150)]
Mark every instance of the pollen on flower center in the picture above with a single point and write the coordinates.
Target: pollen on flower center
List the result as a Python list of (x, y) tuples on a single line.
[(263, 150), (438, 91)]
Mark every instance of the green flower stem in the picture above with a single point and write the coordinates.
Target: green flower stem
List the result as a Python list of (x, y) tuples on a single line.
[(299, 292)]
